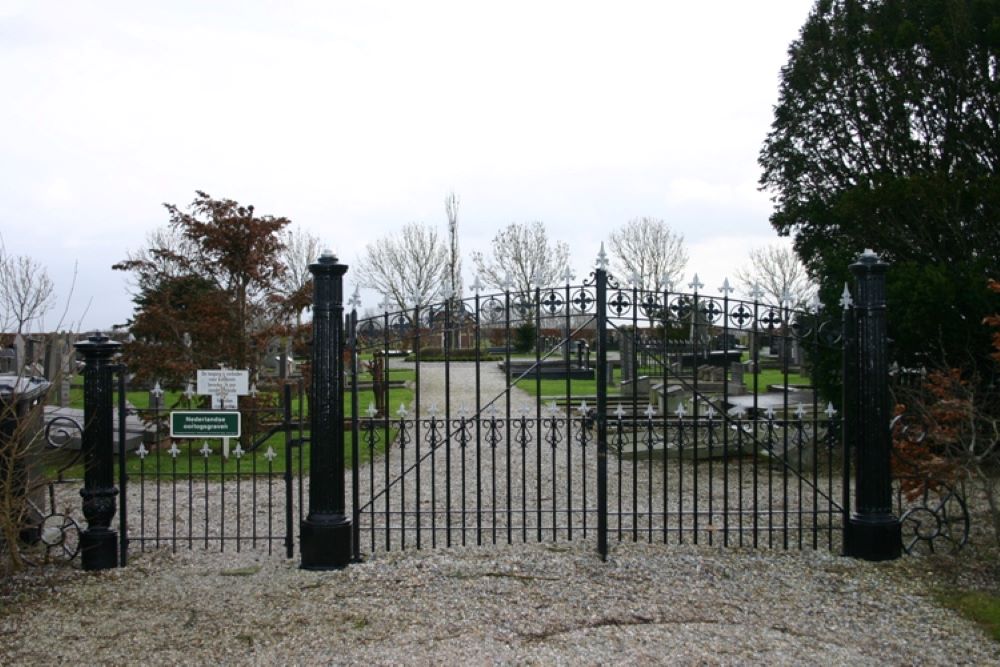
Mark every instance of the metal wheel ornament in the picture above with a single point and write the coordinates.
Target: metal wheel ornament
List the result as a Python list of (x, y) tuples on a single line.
[(802, 325), (552, 302), (620, 303), (680, 307), (492, 309), (831, 332), (522, 306), (710, 310), (771, 318), (936, 522), (58, 541), (649, 305), (368, 331), (741, 316), (583, 300)]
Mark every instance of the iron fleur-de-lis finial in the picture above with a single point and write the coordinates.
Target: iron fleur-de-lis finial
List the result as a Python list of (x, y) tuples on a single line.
[(845, 298), (602, 259)]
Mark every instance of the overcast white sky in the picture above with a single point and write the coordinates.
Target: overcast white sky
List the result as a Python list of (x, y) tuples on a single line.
[(354, 118)]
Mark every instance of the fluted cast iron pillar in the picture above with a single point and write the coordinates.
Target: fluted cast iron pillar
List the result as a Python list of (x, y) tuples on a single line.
[(99, 542), (873, 531), (326, 530)]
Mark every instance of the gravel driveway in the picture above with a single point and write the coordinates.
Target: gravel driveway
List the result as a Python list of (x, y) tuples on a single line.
[(523, 604)]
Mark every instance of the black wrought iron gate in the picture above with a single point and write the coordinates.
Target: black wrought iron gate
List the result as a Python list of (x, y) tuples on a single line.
[(595, 410), (601, 411), (210, 493)]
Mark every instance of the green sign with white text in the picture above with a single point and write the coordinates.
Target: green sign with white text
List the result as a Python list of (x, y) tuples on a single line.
[(204, 424)]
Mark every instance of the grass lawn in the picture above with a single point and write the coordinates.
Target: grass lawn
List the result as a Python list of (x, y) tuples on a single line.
[(190, 459), (980, 606), (773, 376), (557, 388)]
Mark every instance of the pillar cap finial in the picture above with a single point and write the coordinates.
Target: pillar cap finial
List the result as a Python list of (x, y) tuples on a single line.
[(98, 343)]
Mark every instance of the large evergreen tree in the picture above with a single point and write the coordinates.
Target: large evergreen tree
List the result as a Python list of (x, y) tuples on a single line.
[(887, 136)]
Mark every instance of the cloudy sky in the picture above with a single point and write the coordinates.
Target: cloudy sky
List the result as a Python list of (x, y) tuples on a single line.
[(354, 118)]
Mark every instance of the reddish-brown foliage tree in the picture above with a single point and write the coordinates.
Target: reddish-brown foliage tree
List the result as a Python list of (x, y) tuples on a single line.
[(950, 430), (206, 290), (994, 321)]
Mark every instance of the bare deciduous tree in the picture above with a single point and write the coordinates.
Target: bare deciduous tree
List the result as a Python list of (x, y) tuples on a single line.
[(647, 248), (454, 258), (301, 249), (409, 266), (523, 253), (26, 291), (777, 272)]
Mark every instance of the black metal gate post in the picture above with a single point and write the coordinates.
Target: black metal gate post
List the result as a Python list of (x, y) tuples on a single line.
[(873, 532), (601, 278), (326, 531), (99, 543)]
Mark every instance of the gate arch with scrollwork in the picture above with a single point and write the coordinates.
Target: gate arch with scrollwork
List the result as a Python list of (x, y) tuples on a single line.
[(624, 414)]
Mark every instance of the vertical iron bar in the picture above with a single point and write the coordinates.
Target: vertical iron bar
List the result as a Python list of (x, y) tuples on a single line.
[(755, 367), (479, 427), (507, 324), (122, 472), (815, 440), (663, 415), (447, 420), (416, 453), (696, 422), (725, 415), (538, 410), (601, 277), (567, 333), (190, 481), (785, 342), (386, 433), (849, 428), (634, 387), (289, 510), (352, 337)]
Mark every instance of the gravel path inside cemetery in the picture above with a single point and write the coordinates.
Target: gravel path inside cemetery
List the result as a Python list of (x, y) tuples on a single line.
[(538, 603)]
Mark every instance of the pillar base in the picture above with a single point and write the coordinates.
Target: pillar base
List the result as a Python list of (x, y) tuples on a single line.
[(874, 538), (326, 542), (99, 549)]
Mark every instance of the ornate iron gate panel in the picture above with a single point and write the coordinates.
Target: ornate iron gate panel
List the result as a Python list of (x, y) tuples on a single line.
[(468, 456), (702, 447), (594, 410), (204, 493)]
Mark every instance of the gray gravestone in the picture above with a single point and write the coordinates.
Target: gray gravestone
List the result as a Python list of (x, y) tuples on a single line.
[(625, 352), (20, 361)]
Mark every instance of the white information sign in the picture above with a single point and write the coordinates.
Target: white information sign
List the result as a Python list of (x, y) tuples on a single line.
[(224, 386)]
